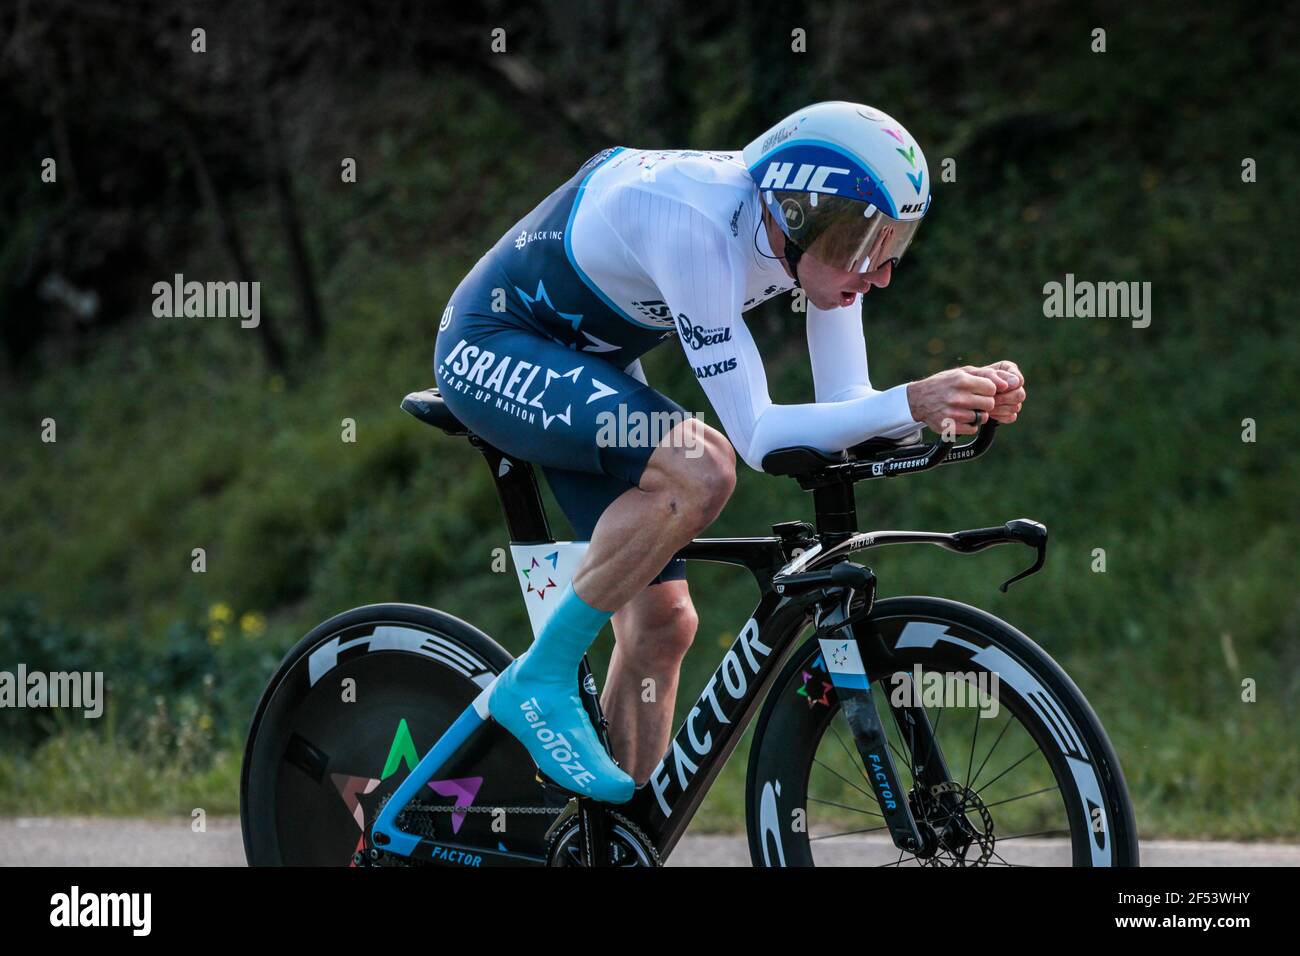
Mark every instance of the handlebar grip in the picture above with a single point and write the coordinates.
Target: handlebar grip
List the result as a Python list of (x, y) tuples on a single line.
[(1026, 530), (977, 539), (1020, 530)]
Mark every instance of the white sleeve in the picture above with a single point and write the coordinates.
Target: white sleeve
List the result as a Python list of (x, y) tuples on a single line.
[(701, 276), (838, 352)]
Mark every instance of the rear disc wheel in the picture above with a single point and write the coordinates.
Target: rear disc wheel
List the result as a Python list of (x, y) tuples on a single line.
[(349, 713)]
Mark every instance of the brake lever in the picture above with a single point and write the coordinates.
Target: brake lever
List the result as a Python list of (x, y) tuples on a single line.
[(844, 581), (831, 620), (1032, 533)]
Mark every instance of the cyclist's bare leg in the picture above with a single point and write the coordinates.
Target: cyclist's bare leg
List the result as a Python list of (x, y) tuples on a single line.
[(684, 486), (653, 632), (686, 482)]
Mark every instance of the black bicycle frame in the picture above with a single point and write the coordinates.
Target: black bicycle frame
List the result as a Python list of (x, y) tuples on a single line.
[(794, 587), (714, 724)]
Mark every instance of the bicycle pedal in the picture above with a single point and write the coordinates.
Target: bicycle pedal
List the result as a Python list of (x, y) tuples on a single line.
[(550, 786)]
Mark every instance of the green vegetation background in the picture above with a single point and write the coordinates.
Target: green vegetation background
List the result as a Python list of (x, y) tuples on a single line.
[(171, 435)]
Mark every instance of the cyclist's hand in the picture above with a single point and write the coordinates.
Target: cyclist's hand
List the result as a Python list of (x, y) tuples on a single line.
[(952, 398), (1011, 389)]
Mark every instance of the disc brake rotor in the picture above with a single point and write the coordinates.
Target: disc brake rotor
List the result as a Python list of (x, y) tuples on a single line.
[(946, 810)]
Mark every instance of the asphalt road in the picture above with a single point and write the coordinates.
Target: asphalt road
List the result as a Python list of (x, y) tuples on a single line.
[(70, 841)]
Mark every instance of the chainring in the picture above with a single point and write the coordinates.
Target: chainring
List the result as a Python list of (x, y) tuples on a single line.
[(628, 846)]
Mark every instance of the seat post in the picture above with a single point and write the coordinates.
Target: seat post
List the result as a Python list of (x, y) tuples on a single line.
[(516, 482), (521, 500)]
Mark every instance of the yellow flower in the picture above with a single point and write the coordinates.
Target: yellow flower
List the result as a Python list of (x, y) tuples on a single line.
[(220, 613), (252, 624), (205, 722), (216, 634)]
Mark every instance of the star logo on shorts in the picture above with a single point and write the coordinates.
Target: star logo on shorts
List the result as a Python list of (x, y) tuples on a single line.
[(540, 306)]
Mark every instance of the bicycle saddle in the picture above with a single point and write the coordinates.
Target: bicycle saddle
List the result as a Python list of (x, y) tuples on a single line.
[(428, 407)]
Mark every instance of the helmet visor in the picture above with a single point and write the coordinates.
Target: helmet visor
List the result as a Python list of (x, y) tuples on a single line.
[(843, 233)]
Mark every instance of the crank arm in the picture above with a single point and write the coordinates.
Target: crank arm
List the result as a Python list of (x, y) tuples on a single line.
[(591, 830)]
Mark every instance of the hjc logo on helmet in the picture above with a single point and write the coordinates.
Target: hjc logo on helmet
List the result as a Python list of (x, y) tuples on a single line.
[(809, 178)]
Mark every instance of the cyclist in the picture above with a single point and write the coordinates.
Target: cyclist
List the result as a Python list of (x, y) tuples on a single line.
[(538, 352)]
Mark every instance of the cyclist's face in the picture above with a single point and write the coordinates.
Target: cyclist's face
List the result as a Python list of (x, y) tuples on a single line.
[(830, 288), (826, 286)]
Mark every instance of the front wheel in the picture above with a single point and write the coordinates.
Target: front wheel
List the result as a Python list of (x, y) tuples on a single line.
[(1028, 774)]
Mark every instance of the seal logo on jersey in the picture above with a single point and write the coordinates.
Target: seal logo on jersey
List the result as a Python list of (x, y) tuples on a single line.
[(696, 336)]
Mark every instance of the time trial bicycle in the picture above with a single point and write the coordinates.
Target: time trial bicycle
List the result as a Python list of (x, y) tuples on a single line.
[(905, 731)]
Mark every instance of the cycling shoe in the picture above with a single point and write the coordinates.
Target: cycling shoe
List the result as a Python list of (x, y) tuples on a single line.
[(547, 717)]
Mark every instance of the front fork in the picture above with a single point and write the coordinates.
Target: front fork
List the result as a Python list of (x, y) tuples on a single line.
[(842, 654)]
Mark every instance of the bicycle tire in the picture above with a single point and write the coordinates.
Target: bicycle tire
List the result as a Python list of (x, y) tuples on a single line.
[(1035, 690), (317, 764)]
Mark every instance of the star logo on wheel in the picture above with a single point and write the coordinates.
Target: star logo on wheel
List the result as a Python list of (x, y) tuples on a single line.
[(352, 788), (809, 690)]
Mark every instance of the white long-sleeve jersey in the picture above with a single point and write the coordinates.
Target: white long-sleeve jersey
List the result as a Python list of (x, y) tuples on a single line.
[(671, 240)]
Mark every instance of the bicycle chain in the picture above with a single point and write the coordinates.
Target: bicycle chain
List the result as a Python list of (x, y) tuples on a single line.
[(554, 811), (412, 814), (417, 820)]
